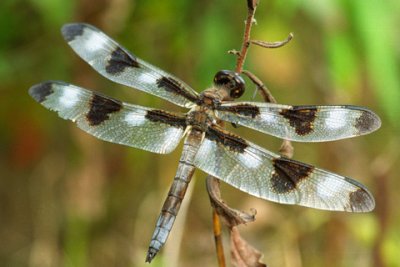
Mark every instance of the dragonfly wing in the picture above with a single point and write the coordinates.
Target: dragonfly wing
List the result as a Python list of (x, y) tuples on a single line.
[(301, 123), (117, 64), (264, 174), (110, 119)]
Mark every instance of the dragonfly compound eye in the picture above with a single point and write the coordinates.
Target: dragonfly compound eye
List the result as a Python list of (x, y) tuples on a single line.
[(232, 81)]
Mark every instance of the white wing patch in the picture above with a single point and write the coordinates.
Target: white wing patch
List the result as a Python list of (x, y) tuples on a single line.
[(336, 120), (325, 187), (250, 160), (95, 42), (268, 117), (70, 97), (136, 118), (169, 134), (146, 78)]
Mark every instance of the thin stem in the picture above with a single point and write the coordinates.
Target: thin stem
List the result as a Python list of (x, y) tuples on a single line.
[(252, 5), (218, 239), (262, 88), (273, 44)]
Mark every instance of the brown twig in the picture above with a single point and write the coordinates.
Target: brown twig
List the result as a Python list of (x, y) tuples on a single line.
[(261, 87), (251, 10), (273, 44), (218, 239)]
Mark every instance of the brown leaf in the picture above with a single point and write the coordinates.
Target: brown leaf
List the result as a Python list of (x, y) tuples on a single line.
[(231, 217), (243, 254)]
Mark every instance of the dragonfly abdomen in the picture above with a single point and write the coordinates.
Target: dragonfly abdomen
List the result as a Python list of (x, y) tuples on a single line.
[(176, 193)]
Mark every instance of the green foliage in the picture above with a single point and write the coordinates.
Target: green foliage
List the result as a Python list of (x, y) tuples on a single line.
[(54, 12), (375, 24)]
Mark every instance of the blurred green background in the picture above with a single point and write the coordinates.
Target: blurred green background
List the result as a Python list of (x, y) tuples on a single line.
[(68, 199)]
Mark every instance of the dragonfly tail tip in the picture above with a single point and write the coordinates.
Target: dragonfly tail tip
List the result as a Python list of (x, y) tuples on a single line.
[(151, 253)]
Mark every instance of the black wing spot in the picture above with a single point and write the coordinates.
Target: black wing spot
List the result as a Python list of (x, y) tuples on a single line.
[(120, 60), (367, 122), (174, 86), (70, 31), (301, 118), (247, 110), (230, 140), (360, 200), (162, 116), (287, 174), (39, 92), (101, 108)]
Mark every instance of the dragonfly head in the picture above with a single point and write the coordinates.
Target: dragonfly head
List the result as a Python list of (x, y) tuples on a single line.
[(230, 81)]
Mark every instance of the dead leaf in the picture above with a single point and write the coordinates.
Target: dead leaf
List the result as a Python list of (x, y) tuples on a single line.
[(243, 254), (231, 217)]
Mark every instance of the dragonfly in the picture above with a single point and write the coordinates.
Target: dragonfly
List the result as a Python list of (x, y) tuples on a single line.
[(207, 145)]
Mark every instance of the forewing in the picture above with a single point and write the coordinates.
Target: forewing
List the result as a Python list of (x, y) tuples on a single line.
[(264, 174), (112, 120), (301, 123), (115, 63)]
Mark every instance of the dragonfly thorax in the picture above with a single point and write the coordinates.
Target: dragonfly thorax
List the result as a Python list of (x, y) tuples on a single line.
[(200, 118)]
